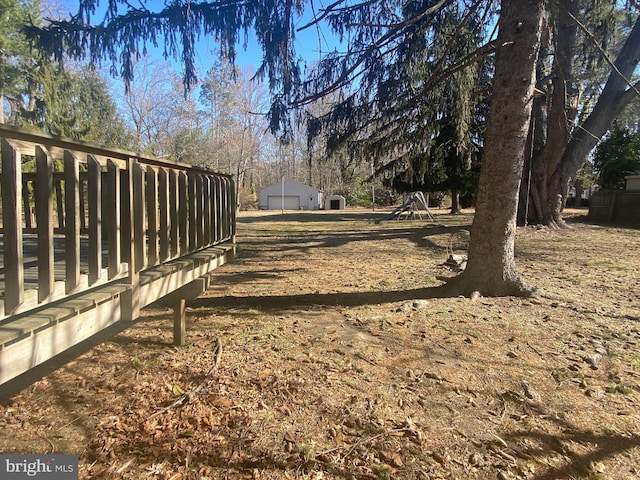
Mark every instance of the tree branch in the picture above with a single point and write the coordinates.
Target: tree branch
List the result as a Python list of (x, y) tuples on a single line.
[(190, 395), (606, 57)]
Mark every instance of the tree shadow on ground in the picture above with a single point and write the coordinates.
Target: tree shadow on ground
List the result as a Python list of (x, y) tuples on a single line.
[(313, 216), (303, 241), (318, 300), (579, 465), (542, 444)]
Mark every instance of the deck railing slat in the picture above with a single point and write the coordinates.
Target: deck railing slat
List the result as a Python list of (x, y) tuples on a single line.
[(139, 238), (199, 211), (113, 218), (193, 212), (206, 194), (126, 231), (183, 211), (219, 208), (173, 213), (163, 200), (214, 210), (232, 198), (82, 197), (152, 215), (72, 221), (44, 222), (226, 208), (12, 224), (94, 183)]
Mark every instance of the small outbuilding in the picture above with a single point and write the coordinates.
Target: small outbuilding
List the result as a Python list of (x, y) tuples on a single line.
[(632, 182), (289, 195), (335, 202)]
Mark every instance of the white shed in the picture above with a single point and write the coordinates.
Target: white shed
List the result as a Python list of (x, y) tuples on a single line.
[(291, 195), (335, 202), (632, 182)]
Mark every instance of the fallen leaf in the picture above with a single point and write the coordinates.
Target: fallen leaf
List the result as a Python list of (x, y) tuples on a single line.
[(222, 402), (392, 458), (209, 421), (177, 390)]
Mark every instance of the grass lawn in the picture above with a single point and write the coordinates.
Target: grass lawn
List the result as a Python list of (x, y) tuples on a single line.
[(339, 362)]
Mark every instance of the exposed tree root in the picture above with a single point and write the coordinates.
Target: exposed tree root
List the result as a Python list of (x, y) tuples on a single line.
[(557, 224), (472, 286)]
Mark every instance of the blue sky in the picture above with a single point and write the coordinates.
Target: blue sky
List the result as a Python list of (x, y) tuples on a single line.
[(307, 44)]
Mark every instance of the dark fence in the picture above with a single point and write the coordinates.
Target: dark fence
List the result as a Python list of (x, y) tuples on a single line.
[(616, 207)]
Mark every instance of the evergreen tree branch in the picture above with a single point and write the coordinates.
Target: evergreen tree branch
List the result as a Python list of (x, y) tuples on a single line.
[(602, 51)]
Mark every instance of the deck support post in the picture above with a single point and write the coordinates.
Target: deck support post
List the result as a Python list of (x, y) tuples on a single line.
[(179, 321), (178, 301)]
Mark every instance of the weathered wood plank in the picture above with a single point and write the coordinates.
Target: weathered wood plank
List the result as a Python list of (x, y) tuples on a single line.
[(94, 181), (83, 204), (233, 204), (173, 214), (138, 228), (216, 226), (12, 224), (193, 210), (219, 210), (133, 231), (113, 218), (72, 221), (165, 279), (163, 200), (206, 194), (199, 211), (183, 212), (44, 344), (152, 215), (229, 207), (44, 222), (126, 220)]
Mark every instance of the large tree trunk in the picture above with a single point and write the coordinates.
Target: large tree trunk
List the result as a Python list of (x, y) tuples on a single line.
[(491, 268), (455, 201), (554, 167), (553, 112)]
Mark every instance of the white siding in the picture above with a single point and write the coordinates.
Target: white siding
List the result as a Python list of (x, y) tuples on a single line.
[(296, 196), (633, 183)]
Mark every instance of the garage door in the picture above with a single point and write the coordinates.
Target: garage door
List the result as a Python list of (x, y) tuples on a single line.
[(291, 202)]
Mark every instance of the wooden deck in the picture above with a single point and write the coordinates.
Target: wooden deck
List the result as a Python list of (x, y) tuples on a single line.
[(92, 235)]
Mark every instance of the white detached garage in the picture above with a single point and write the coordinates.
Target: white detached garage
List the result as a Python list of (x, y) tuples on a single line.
[(289, 195)]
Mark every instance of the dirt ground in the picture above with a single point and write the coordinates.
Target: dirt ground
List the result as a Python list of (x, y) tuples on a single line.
[(323, 353)]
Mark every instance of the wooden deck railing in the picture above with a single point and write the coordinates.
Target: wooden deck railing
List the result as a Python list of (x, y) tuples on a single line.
[(77, 218)]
